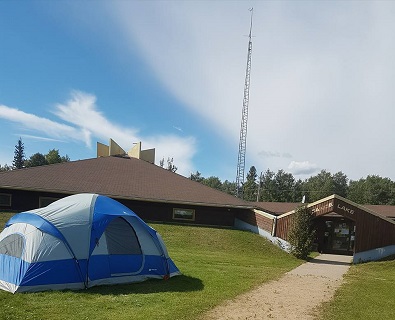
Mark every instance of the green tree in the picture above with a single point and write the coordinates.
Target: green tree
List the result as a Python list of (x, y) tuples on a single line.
[(53, 156), (250, 187), (229, 187), (6, 167), (340, 184), (170, 166), (37, 159), (268, 186), (280, 187), (213, 182), (325, 184), (19, 155), (301, 234), (298, 191), (65, 158), (319, 186), (284, 186), (372, 190), (196, 177)]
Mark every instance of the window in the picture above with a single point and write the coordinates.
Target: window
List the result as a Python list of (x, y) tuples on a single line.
[(5, 200), (44, 201), (12, 245), (184, 214), (121, 238)]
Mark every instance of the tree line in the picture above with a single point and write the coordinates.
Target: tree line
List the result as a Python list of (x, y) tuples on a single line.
[(283, 187), (38, 159)]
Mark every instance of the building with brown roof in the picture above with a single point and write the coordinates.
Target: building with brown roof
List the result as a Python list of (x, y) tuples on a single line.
[(156, 194), (342, 226)]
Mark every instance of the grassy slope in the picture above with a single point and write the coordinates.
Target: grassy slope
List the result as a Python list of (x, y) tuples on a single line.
[(4, 216), (217, 264), (367, 293)]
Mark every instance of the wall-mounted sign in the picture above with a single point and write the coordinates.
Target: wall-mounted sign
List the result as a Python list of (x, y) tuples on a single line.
[(345, 209), (324, 207)]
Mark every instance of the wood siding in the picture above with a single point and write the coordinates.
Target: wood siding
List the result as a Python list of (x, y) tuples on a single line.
[(257, 219), (149, 211), (372, 231)]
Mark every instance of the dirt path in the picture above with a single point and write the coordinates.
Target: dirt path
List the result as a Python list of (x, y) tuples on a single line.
[(294, 296)]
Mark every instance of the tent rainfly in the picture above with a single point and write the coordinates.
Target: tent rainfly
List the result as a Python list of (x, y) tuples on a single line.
[(78, 242)]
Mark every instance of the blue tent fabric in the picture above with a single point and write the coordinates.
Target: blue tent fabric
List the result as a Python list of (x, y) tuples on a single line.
[(78, 242)]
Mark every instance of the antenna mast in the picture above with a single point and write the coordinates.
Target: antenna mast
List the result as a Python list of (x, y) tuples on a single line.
[(244, 118)]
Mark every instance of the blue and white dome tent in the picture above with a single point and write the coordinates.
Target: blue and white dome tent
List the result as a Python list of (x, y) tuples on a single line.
[(78, 242)]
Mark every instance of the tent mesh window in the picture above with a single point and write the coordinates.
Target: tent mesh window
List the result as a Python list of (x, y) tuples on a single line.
[(121, 238), (12, 245)]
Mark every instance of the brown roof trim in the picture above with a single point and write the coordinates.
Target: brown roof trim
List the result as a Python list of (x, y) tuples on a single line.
[(335, 196)]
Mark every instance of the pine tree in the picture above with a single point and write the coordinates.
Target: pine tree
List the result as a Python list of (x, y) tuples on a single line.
[(301, 234), (250, 187), (19, 155)]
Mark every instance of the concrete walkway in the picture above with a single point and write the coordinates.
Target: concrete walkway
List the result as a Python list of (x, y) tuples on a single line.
[(294, 296), (330, 266)]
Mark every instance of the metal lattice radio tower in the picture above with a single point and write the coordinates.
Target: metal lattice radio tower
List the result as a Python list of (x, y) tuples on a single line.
[(244, 118)]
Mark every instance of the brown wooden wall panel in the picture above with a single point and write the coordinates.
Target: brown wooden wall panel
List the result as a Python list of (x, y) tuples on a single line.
[(264, 223), (23, 200), (256, 219), (148, 211), (248, 217), (163, 212), (372, 231), (282, 227)]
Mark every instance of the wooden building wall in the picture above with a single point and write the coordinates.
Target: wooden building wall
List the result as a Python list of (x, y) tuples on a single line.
[(149, 211), (372, 231), (163, 212), (258, 219), (23, 200)]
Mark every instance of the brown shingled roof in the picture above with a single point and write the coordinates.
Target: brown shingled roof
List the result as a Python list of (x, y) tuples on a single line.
[(384, 210), (118, 178), (276, 208)]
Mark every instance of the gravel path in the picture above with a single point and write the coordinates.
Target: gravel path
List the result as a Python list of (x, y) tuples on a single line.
[(294, 296)]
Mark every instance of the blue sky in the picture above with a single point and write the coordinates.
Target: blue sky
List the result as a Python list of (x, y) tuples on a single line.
[(171, 74)]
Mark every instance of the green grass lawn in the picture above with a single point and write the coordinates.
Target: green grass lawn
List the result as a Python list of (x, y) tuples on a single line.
[(368, 292), (4, 216), (217, 264)]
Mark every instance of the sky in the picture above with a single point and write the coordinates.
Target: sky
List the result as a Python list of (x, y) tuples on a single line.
[(171, 74)]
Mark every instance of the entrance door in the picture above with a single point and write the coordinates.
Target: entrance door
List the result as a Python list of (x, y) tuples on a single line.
[(124, 251), (339, 236)]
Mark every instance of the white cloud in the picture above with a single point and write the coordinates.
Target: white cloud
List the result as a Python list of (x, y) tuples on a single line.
[(321, 80), (81, 110), (321, 74), (31, 137), (178, 128), (181, 150), (302, 168), (274, 154), (88, 122), (40, 124)]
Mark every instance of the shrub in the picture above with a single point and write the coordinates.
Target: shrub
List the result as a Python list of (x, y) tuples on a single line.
[(301, 233)]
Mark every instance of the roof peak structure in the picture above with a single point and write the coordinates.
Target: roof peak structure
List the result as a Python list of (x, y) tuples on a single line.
[(113, 149)]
